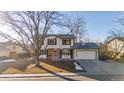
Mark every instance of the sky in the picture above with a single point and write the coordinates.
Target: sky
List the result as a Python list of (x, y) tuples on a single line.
[(99, 23)]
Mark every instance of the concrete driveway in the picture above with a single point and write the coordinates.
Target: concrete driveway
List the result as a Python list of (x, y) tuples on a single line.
[(96, 67)]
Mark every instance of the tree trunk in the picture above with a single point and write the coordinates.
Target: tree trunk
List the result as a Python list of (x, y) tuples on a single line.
[(37, 62)]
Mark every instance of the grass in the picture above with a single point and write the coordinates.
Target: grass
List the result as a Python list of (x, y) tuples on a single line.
[(11, 70), (31, 69)]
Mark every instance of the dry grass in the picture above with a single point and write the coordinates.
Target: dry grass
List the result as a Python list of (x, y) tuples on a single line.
[(31, 69), (11, 70)]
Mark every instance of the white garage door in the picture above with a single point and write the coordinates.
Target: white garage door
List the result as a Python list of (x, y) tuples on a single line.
[(86, 54)]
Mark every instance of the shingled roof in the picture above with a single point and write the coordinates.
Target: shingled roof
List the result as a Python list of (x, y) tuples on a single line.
[(62, 35), (67, 36), (85, 46)]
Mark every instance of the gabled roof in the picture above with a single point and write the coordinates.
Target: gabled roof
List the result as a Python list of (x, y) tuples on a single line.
[(85, 46), (68, 36)]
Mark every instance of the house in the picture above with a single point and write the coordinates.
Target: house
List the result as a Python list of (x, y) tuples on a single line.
[(116, 44), (58, 46), (7, 47)]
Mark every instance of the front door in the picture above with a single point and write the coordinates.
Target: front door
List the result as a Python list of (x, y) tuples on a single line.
[(53, 53)]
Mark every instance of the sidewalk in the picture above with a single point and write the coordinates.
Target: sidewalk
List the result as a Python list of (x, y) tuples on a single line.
[(44, 77), (35, 75)]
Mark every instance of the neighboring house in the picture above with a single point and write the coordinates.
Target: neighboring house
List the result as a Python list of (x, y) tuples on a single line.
[(59, 46), (7, 47), (116, 44)]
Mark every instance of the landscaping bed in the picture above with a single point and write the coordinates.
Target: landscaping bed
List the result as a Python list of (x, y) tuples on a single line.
[(65, 65)]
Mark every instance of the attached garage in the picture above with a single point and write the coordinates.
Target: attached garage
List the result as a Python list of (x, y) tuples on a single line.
[(85, 51), (85, 54)]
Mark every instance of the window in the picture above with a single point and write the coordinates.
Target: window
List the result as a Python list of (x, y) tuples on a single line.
[(66, 41), (52, 41), (66, 52)]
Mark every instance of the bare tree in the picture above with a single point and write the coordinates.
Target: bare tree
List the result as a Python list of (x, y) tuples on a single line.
[(30, 29), (119, 34), (75, 26), (117, 47), (116, 33)]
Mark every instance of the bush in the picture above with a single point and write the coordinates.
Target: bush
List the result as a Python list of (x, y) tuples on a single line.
[(104, 54), (122, 56), (107, 55), (121, 59), (67, 65)]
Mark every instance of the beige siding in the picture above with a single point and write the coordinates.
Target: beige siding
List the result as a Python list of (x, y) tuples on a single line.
[(11, 48), (16, 48), (4, 53), (116, 45), (59, 43)]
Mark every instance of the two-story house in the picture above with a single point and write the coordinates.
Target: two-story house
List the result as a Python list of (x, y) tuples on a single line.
[(60, 46)]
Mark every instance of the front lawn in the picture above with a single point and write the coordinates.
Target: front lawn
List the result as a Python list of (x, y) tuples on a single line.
[(31, 69)]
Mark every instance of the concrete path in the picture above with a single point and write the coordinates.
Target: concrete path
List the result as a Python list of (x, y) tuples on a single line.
[(96, 67)]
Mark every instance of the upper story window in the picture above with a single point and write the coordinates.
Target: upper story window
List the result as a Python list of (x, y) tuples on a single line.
[(66, 41), (52, 41)]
